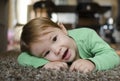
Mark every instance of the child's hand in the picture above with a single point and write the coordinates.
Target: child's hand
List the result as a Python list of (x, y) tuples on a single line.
[(56, 65), (82, 66)]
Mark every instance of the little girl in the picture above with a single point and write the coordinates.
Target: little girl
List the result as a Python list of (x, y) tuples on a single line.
[(45, 43)]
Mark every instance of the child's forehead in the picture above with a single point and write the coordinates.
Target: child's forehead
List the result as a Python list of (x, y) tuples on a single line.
[(46, 35), (48, 30)]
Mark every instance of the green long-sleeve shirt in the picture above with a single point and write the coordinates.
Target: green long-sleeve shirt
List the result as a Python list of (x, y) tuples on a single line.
[(90, 46)]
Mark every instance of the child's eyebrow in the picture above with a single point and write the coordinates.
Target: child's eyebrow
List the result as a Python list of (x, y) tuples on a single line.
[(47, 32), (44, 33)]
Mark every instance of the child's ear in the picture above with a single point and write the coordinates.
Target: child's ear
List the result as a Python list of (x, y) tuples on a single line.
[(62, 27)]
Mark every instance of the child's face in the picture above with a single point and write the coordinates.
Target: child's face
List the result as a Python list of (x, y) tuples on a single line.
[(55, 45)]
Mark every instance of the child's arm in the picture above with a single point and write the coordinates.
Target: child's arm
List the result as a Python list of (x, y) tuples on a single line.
[(82, 65), (94, 50), (56, 65), (104, 56), (27, 60)]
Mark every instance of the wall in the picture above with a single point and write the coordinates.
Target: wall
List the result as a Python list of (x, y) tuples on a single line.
[(3, 24)]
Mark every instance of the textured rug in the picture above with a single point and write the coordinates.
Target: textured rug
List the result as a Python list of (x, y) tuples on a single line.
[(10, 70)]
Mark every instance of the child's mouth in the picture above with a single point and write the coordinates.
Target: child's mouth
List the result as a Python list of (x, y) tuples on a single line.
[(66, 55)]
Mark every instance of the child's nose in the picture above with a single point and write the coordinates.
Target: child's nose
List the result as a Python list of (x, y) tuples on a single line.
[(56, 50)]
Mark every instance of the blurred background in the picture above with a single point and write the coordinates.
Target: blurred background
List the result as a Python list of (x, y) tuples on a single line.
[(101, 15)]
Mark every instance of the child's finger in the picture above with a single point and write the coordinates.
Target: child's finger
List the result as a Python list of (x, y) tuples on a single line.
[(72, 67), (65, 65), (86, 70)]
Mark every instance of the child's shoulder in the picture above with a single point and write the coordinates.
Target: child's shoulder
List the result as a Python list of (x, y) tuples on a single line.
[(82, 30)]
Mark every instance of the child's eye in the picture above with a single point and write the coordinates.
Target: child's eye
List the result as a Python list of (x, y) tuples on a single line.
[(46, 53), (55, 38)]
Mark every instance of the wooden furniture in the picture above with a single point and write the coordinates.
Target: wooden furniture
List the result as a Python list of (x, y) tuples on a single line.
[(86, 12)]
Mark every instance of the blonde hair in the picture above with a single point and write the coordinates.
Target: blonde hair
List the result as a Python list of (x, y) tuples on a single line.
[(32, 30)]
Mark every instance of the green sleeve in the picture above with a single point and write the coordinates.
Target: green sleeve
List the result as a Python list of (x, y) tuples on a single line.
[(27, 60), (104, 56)]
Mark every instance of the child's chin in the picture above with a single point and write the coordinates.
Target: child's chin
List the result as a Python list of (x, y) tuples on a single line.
[(68, 61)]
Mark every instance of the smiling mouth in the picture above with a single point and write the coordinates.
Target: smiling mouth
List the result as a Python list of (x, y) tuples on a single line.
[(65, 54)]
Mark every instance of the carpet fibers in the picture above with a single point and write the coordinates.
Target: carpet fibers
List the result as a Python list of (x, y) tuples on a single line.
[(10, 70)]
